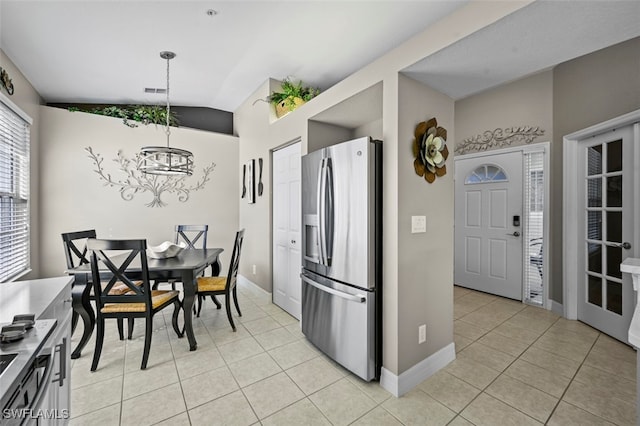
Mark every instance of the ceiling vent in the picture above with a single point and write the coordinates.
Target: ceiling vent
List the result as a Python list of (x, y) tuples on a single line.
[(154, 90)]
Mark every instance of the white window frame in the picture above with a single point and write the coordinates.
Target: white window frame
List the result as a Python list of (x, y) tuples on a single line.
[(23, 258)]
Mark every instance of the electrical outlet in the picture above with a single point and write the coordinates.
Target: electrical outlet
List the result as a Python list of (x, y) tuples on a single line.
[(422, 333), (254, 269)]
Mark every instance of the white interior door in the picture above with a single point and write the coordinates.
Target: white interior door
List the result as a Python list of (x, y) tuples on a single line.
[(287, 260), (605, 295), (488, 223)]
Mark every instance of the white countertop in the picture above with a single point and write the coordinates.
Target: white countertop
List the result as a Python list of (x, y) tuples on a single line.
[(632, 266), (30, 296)]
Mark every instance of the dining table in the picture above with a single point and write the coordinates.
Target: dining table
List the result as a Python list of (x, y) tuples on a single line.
[(185, 267)]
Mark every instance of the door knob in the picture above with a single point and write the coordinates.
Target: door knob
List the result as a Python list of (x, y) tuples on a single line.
[(515, 234), (624, 245), (293, 241)]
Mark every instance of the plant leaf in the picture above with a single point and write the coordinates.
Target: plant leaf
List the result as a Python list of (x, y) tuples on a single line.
[(419, 167)]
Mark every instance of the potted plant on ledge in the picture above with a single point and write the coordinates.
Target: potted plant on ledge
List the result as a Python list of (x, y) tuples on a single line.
[(291, 97)]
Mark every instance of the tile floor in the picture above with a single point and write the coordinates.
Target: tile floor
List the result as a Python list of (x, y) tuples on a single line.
[(516, 365)]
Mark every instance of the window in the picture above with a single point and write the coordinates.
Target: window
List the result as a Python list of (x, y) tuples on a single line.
[(14, 191), (536, 189), (486, 173)]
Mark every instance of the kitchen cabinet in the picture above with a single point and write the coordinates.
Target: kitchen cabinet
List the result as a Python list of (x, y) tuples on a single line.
[(48, 298)]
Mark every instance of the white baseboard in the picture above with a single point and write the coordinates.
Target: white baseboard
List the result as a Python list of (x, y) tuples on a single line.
[(557, 308), (245, 281), (399, 385)]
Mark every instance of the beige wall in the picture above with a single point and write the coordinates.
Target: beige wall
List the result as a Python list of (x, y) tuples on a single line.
[(425, 261), (587, 91), (27, 99), (73, 197), (525, 102)]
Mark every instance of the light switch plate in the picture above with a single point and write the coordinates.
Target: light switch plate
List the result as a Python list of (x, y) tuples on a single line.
[(418, 224)]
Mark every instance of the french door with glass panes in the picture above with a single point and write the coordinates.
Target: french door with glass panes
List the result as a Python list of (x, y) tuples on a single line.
[(605, 296)]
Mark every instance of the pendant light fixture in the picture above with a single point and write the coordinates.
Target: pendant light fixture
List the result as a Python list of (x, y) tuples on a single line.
[(164, 160)]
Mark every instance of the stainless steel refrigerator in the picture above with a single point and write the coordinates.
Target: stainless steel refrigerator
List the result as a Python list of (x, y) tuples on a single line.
[(342, 254)]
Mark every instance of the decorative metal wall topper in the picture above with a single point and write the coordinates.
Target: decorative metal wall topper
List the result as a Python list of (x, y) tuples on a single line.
[(5, 81), (499, 138), (138, 182)]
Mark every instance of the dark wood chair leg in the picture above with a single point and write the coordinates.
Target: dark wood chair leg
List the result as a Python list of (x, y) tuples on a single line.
[(200, 301), (131, 323), (218, 305), (235, 301), (174, 320), (74, 321), (99, 341), (147, 341), (121, 328), (228, 306)]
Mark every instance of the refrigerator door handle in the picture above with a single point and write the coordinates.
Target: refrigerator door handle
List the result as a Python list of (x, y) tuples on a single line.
[(329, 212), (351, 297), (321, 212)]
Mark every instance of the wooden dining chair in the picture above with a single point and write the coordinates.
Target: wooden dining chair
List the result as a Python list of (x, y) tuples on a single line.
[(75, 251), (76, 254), (212, 286), (194, 237), (139, 301)]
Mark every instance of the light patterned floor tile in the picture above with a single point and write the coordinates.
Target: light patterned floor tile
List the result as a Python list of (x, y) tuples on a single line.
[(272, 394), (569, 415), (342, 402), (418, 408), (590, 397), (372, 389), (486, 356), (503, 344), (208, 386), (538, 377), (292, 354), (107, 416), (552, 362), (377, 417), (93, 397), (302, 412), (256, 368), (261, 325), (232, 410), (240, 349), (198, 362), (523, 397), (450, 391), (471, 372), (274, 338), (313, 375), (153, 407), (486, 410), (142, 381)]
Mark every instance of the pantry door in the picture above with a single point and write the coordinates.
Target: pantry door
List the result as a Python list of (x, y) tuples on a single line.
[(287, 258)]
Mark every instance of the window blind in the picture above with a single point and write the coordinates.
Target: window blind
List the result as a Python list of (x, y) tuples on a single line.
[(14, 194), (534, 226)]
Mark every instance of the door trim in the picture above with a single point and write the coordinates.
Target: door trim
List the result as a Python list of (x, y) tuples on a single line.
[(570, 208), (536, 147)]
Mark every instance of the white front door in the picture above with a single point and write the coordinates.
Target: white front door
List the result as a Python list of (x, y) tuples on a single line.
[(287, 259), (605, 167), (488, 223)]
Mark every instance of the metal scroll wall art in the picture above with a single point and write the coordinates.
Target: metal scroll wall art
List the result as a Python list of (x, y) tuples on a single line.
[(430, 150), (136, 182), (5, 81), (499, 138)]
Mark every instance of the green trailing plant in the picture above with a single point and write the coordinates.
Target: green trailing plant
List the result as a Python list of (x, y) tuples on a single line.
[(132, 114), (290, 91)]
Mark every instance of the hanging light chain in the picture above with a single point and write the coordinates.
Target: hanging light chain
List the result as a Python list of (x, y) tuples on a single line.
[(168, 130)]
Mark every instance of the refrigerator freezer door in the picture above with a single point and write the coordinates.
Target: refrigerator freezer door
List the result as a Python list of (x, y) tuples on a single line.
[(340, 321)]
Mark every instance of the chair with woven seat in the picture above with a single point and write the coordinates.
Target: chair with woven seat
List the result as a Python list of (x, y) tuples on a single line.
[(75, 250), (212, 286), (133, 296)]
